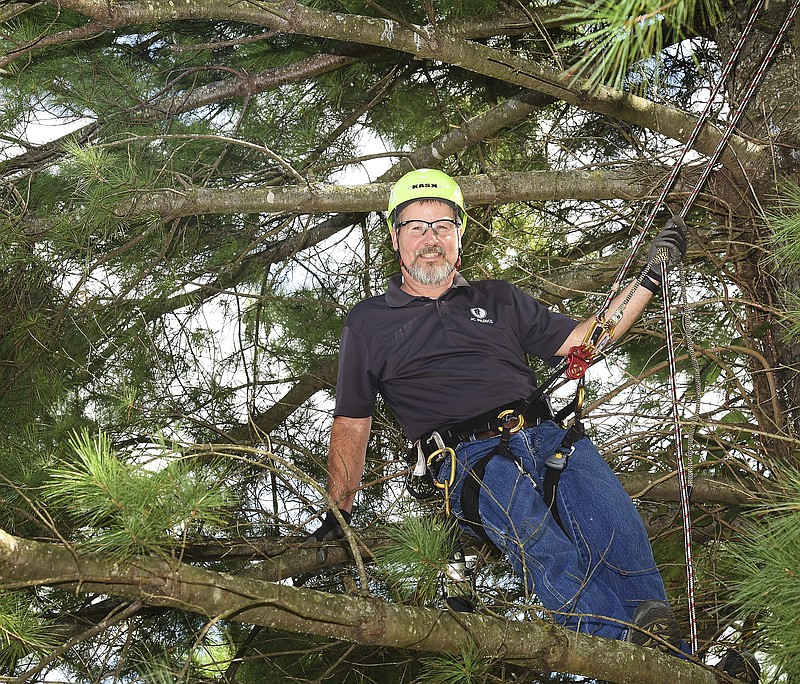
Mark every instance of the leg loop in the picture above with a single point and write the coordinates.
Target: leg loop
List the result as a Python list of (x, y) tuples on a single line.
[(470, 492)]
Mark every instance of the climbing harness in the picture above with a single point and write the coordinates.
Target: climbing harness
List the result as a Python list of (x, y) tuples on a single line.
[(558, 460), (435, 452), (473, 483)]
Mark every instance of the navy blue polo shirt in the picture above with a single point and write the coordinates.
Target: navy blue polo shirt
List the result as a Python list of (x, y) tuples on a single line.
[(439, 362)]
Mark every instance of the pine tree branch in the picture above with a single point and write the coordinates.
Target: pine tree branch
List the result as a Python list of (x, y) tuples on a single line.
[(305, 388), (244, 85), (364, 620), (113, 618), (498, 187), (164, 108), (426, 42)]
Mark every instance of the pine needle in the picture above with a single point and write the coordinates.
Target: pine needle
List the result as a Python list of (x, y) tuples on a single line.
[(414, 563), (615, 36), (767, 561), (22, 631), (468, 667), (122, 508), (784, 225)]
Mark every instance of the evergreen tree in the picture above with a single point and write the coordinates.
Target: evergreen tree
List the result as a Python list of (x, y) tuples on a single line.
[(191, 202)]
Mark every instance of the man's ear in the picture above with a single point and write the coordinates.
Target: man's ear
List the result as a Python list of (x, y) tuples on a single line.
[(393, 235)]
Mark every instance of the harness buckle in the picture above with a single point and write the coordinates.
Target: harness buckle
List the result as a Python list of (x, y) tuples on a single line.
[(558, 459), (506, 417)]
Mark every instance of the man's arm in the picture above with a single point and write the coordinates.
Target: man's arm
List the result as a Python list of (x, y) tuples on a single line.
[(346, 456), (631, 314), (669, 247)]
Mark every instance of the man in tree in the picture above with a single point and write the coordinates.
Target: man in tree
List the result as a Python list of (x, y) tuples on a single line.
[(448, 357)]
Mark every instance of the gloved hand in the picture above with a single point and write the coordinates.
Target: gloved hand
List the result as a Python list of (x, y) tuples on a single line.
[(669, 245), (329, 530)]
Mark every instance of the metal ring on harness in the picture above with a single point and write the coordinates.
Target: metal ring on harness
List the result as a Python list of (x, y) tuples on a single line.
[(515, 428)]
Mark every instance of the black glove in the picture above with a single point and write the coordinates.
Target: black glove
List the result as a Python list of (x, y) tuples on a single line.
[(669, 246), (329, 530)]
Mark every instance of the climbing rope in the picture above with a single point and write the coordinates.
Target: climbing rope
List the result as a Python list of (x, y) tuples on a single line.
[(602, 332), (687, 148), (684, 470)]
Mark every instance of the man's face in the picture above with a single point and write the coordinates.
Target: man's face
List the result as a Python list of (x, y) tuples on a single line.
[(429, 259)]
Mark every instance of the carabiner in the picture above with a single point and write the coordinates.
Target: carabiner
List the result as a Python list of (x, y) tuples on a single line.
[(442, 448), (580, 395)]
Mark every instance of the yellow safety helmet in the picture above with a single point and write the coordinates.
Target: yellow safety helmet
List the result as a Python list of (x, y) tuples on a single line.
[(425, 184)]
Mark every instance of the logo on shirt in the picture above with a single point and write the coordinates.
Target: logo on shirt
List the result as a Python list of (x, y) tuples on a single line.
[(480, 315)]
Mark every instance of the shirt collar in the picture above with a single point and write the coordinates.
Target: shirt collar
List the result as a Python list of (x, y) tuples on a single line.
[(396, 297)]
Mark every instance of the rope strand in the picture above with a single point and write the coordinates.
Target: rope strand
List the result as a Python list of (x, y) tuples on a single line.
[(685, 474), (687, 147), (684, 470)]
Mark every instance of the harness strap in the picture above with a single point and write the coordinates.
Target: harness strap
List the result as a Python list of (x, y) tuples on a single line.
[(556, 463), (470, 492), (533, 410), (470, 515)]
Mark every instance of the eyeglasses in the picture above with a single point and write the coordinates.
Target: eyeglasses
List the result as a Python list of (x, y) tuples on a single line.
[(440, 227)]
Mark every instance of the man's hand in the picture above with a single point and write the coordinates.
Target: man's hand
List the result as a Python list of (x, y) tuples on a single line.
[(669, 246), (329, 530)]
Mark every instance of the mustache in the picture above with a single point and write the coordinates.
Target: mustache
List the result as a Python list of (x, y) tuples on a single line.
[(430, 250)]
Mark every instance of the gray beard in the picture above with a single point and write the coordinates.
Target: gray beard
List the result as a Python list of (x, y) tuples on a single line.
[(431, 275)]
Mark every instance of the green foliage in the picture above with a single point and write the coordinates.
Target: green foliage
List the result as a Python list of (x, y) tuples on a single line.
[(468, 667), (615, 36), (296, 658), (302, 329), (766, 562), (784, 223), (126, 509), (22, 631), (134, 324), (415, 560)]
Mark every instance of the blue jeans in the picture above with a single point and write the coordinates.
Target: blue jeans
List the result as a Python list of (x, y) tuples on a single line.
[(591, 578)]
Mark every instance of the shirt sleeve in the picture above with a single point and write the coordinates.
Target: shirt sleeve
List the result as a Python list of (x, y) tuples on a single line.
[(356, 386), (542, 331)]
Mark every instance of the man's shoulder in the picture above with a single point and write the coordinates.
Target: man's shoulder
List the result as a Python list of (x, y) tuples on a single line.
[(493, 287), (367, 308)]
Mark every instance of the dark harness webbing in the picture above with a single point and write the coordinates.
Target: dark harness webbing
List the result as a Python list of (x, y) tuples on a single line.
[(470, 492), (556, 463)]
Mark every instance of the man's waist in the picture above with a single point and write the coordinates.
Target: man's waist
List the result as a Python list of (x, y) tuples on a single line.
[(491, 424)]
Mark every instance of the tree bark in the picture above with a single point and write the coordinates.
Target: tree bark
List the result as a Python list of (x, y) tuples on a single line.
[(364, 620), (497, 187)]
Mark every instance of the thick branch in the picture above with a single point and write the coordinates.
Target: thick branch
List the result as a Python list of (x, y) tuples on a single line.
[(425, 42), (497, 187), (305, 388), (534, 644), (664, 487), (245, 85)]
